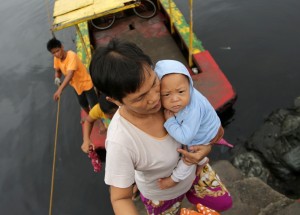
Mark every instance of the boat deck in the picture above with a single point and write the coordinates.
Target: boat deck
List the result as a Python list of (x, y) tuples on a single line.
[(153, 37)]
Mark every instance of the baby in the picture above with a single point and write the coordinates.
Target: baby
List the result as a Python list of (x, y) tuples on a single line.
[(190, 118)]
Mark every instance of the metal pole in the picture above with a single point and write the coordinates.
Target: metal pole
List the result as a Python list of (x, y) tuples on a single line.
[(171, 18), (191, 33)]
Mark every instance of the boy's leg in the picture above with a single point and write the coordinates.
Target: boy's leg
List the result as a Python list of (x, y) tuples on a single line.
[(83, 102), (91, 97), (208, 190)]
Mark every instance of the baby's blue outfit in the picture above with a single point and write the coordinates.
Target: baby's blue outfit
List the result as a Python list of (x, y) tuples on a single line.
[(198, 123)]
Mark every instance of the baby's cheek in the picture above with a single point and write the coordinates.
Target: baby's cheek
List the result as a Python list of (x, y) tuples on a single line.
[(164, 102)]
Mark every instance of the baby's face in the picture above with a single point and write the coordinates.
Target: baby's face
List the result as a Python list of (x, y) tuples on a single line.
[(175, 92)]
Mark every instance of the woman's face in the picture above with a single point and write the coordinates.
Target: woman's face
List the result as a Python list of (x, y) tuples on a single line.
[(146, 100)]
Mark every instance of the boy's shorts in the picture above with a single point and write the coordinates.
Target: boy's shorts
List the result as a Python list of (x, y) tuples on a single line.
[(87, 99)]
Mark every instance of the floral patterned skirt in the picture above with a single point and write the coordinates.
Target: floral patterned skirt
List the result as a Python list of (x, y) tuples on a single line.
[(207, 189)]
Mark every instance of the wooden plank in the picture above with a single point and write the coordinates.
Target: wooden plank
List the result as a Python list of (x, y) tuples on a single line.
[(97, 9), (65, 6)]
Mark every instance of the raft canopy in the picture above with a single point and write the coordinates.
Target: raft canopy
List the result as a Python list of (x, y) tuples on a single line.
[(67, 13)]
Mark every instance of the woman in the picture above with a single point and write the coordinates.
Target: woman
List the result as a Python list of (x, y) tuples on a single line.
[(138, 147)]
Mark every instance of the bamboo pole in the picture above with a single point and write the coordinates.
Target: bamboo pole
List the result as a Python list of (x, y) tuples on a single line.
[(171, 18)]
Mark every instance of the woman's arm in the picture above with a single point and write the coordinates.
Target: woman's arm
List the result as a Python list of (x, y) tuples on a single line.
[(121, 199)]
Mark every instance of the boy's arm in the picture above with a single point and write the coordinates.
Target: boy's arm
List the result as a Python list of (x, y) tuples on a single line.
[(57, 76), (57, 73), (96, 113), (66, 81), (87, 129)]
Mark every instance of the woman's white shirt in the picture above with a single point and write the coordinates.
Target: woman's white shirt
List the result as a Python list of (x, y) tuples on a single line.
[(134, 156)]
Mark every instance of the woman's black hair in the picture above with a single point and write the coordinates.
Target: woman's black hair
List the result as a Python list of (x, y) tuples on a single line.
[(106, 106), (118, 68)]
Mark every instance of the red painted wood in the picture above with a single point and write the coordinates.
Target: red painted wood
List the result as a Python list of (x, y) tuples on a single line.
[(97, 139), (212, 83)]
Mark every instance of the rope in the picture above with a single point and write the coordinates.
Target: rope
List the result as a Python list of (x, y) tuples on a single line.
[(54, 158), (49, 17)]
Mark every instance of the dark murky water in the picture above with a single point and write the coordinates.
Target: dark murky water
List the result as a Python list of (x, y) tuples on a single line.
[(28, 116), (256, 45), (254, 42)]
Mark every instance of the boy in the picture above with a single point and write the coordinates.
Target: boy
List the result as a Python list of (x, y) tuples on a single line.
[(104, 110), (190, 118), (68, 64)]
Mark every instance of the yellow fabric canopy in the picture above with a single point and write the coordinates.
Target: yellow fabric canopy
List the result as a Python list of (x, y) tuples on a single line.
[(70, 12)]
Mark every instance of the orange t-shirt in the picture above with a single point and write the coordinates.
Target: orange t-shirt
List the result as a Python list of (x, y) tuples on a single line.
[(81, 80)]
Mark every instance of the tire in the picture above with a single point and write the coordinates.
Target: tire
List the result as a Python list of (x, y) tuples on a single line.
[(146, 10), (103, 22)]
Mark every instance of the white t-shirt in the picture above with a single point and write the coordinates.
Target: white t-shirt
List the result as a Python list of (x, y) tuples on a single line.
[(135, 156)]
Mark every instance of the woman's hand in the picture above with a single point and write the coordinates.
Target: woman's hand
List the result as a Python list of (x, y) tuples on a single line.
[(196, 154)]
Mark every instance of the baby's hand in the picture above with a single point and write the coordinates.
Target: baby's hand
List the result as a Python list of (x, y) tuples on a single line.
[(166, 183), (168, 114)]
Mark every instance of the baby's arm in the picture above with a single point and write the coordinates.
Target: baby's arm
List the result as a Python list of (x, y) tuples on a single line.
[(183, 131), (166, 183), (181, 172)]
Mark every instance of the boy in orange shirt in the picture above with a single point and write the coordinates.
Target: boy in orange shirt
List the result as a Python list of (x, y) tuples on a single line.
[(68, 64)]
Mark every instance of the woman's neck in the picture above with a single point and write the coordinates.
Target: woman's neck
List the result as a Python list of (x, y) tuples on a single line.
[(151, 124), (133, 116)]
